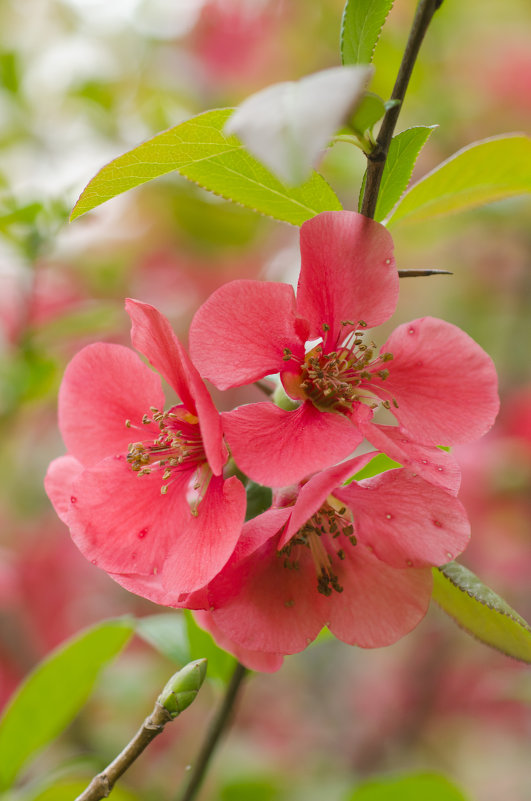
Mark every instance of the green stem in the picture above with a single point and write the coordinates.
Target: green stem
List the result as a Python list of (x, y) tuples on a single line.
[(217, 727), (376, 160)]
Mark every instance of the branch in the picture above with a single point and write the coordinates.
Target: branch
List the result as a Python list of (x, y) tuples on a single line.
[(376, 160), (218, 726), (177, 695)]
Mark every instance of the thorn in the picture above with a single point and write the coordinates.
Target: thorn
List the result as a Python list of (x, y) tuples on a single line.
[(417, 273)]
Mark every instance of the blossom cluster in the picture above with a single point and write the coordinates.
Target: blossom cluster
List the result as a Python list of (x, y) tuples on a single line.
[(155, 494)]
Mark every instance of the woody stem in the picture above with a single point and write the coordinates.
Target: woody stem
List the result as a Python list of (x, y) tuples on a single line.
[(377, 158)]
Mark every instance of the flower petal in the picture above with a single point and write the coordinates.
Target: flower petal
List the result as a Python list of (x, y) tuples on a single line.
[(314, 493), (241, 332), (275, 609), (405, 520), (255, 533), (153, 336), (121, 522), (58, 484), (276, 447), (379, 604), (347, 273), (435, 465), (254, 660), (444, 382), (206, 542), (103, 386)]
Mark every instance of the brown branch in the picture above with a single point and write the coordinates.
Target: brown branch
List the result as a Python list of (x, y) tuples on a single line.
[(102, 784), (177, 695), (376, 160)]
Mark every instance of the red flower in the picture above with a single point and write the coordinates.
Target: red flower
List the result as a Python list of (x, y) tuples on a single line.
[(142, 489), (355, 558), (439, 384)]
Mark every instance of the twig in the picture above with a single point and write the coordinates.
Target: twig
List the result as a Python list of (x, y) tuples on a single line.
[(218, 725), (177, 695), (376, 160), (268, 387), (102, 784)]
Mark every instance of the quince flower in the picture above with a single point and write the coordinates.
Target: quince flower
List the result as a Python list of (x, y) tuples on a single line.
[(355, 558), (437, 382), (142, 489)]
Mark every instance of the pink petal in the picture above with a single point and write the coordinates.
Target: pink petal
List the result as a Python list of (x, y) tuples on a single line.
[(255, 533), (405, 520), (240, 334), (435, 465), (121, 522), (103, 386), (379, 604), (314, 493), (254, 660), (153, 336), (444, 383), (275, 609), (276, 447), (206, 542), (348, 273), (58, 484)]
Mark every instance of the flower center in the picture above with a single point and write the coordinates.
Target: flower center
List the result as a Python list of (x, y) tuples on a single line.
[(322, 534), (178, 447), (336, 380)]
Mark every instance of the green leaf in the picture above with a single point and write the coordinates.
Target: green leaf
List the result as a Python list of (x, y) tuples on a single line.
[(370, 110), (259, 499), (288, 125), (361, 25), (480, 173), (168, 634), (399, 164), (380, 464), (480, 611), (220, 663), (420, 787), (200, 151), (52, 695)]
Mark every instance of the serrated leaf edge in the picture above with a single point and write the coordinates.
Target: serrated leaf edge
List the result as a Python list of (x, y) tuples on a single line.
[(407, 187), (238, 146), (342, 31), (438, 167)]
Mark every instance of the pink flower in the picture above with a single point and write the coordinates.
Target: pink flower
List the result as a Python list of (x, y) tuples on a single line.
[(439, 384), (354, 558), (142, 489)]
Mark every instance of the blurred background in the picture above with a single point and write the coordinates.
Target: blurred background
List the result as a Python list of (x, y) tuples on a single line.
[(81, 81)]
